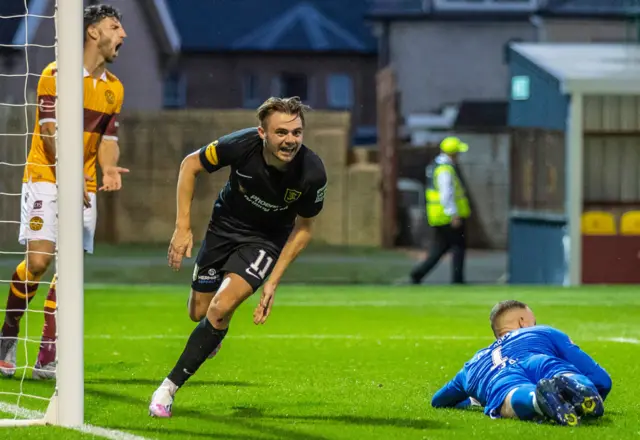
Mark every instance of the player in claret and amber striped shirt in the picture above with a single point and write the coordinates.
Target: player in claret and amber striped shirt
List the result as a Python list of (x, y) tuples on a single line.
[(103, 98)]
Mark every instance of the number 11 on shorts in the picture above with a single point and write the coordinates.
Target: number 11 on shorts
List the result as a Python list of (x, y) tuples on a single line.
[(254, 268)]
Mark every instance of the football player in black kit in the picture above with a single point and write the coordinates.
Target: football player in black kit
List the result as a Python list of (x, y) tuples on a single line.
[(260, 222)]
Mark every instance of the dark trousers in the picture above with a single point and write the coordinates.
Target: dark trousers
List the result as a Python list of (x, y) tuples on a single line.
[(445, 238)]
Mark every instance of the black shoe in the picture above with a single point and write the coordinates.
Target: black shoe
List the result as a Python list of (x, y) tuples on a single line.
[(553, 406), (585, 399)]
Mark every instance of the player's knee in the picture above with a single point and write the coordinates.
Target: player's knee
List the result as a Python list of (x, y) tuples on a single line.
[(38, 263), (219, 311)]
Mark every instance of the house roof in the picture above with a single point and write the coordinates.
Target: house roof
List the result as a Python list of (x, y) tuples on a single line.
[(162, 24), (14, 32), (587, 68), (578, 8), (424, 9), (274, 25)]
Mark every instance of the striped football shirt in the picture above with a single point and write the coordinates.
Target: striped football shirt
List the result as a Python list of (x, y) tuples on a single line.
[(103, 100)]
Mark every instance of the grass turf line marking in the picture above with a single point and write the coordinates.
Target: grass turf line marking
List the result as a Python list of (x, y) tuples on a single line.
[(622, 340), (112, 434)]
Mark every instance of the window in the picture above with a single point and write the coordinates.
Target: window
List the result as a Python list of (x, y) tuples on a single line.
[(487, 5), (339, 91), (250, 91), (520, 88), (175, 90), (293, 84)]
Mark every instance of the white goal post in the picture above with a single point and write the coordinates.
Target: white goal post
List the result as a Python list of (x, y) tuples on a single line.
[(66, 407), (68, 403)]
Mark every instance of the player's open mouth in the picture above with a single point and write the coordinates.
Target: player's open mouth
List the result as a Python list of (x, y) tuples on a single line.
[(118, 46), (288, 150)]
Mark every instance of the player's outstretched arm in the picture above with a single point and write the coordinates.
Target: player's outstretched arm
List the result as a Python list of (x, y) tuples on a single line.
[(182, 240), (452, 395), (298, 240), (573, 354)]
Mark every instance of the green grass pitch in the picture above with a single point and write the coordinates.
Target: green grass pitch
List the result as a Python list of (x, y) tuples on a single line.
[(332, 362)]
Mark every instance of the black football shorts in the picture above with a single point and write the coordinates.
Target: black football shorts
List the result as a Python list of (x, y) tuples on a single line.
[(223, 253)]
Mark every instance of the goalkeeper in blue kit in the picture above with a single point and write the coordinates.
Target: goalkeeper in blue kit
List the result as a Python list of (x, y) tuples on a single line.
[(531, 372)]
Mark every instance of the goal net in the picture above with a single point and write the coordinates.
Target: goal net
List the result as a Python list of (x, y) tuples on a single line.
[(33, 33)]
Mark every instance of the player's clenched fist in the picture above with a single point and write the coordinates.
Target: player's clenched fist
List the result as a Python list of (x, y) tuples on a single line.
[(181, 244)]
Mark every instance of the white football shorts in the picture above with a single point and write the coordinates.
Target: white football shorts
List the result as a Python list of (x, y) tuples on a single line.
[(39, 215)]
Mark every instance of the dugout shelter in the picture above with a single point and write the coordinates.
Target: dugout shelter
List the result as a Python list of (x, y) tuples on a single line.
[(574, 113)]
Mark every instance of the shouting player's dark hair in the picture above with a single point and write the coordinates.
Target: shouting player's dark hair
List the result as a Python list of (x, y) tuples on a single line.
[(500, 309), (290, 106), (94, 14)]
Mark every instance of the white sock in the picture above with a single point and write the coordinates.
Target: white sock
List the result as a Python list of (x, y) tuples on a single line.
[(535, 403), (172, 387)]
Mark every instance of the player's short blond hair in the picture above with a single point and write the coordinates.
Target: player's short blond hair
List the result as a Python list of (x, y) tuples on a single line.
[(500, 309), (290, 106)]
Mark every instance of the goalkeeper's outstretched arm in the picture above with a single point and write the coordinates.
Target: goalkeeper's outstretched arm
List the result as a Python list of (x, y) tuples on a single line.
[(452, 395)]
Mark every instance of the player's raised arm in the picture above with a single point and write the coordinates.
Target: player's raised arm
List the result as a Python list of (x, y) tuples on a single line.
[(452, 395), (570, 352)]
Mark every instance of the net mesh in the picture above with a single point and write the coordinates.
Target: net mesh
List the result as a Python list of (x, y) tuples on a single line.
[(27, 45)]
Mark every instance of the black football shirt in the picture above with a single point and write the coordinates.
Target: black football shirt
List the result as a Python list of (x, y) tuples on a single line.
[(260, 200)]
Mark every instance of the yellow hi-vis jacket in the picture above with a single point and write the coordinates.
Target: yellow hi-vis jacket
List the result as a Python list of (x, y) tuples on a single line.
[(436, 213)]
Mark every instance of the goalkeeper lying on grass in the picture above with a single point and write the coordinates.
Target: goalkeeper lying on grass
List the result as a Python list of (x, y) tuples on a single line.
[(531, 372)]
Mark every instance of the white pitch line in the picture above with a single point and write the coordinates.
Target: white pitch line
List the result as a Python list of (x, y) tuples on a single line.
[(622, 340), (633, 341), (22, 413), (98, 431)]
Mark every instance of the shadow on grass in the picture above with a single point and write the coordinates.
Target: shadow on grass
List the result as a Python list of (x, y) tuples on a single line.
[(253, 418), (252, 412)]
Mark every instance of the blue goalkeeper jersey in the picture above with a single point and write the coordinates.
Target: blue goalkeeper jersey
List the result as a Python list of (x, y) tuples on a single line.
[(522, 356)]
